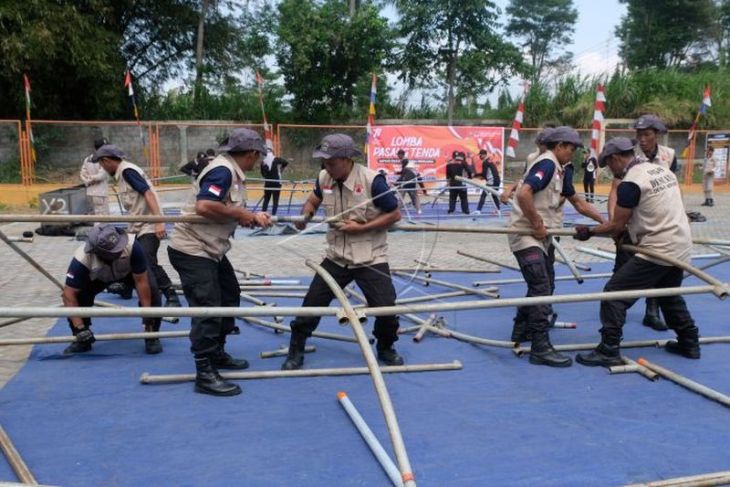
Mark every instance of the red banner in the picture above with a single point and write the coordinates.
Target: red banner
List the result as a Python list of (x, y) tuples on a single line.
[(430, 148)]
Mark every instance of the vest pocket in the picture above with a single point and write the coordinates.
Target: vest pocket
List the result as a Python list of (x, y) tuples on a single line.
[(361, 247)]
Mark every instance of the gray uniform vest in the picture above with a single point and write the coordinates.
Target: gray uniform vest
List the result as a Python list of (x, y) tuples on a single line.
[(351, 200), (548, 204), (133, 202), (210, 240), (664, 155), (659, 222)]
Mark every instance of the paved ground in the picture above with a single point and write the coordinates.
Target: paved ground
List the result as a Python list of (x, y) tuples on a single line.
[(21, 285)]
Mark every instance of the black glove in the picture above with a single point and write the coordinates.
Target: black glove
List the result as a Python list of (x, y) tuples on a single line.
[(85, 336), (582, 232)]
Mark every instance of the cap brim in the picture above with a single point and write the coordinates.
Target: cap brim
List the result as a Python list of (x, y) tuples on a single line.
[(318, 154)]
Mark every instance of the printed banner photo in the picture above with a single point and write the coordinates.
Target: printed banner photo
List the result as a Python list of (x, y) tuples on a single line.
[(721, 143), (430, 148)]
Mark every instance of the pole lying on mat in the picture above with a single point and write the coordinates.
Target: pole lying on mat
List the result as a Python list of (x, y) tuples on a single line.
[(367, 434), (386, 404), (282, 352), (463, 337), (577, 347), (147, 378), (704, 480), (596, 253), (686, 383), (566, 260), (503, 282), (433, 270), (632, 367), (488, 260), (425, 280), (285, 329), (15, 460), (99, 338)]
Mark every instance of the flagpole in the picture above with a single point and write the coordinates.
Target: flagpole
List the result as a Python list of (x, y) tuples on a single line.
[(143, 145), (371, 117)]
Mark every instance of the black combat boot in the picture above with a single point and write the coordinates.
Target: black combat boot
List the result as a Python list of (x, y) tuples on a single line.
[(651, 317), (223, 360), (687, 344), (712, 202), (520, 331), (706, 203), (295, 357), (606, 354), (84, 339), (543, 353), (209, 381), (171, 299), (388, 355), (152, 346)]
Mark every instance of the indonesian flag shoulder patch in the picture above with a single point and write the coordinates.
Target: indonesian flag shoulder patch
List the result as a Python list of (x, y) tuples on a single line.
[(216, 190), (539, 175)]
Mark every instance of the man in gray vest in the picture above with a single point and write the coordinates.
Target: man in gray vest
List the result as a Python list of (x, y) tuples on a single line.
[(648, 128), (538, 206), (198, 253), (138, 198), (357, 247), (647, 206), (109, 255), (95, 180)]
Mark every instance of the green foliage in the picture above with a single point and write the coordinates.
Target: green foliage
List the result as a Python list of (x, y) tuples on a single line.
[(326, 57), (670, 33), (543, 27), (10, 170), (455, 46)]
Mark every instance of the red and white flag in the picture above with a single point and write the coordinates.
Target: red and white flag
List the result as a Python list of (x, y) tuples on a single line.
[(599, 108), (514, 135)]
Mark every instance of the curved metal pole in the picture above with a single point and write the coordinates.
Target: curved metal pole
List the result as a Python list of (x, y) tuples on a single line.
[(720, 288), (687, 383), (16, 461), (386, 404), (291, 196), (488, 261)]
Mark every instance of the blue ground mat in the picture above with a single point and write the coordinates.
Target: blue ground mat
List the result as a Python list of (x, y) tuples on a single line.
[(87, 421)]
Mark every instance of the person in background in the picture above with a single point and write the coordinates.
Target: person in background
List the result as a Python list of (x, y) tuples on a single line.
[(490, 174), (708, 176), (407, 180), (590, 169), (95, 180), (271, 168), (458, 167)]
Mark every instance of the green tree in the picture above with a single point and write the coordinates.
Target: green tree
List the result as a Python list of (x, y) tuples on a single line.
[(454, 45), (326, 56), (664, 33), (543, 28)]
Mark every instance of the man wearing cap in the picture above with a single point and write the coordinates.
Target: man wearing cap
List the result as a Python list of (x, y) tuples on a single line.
[(538, 206), (363, 207), (490, 174), (531, 160), (109, 255), (648, 128), (95, 180), (197, 251), (647, 206), (458, 167), (138, 198)]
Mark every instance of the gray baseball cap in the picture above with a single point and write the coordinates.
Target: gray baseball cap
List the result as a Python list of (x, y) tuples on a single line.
[(540, 139), (649, 121), (242, 140), (108, 150), (562, 134), (615, 145), (106, 241), (336, 145)]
